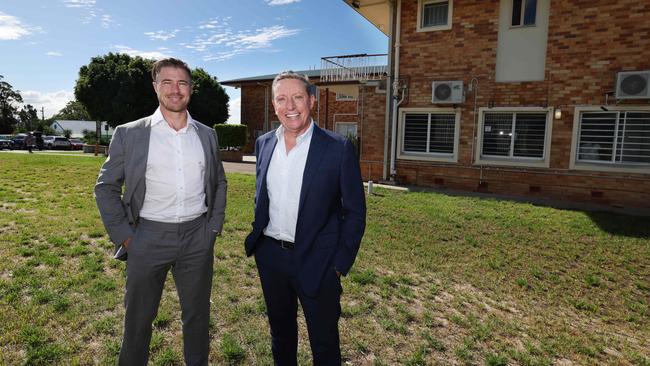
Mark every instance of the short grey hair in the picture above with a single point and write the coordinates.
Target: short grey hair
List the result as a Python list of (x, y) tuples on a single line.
[(309, 87)]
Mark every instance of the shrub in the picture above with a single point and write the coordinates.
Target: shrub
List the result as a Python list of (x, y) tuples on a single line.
[(231, 136)]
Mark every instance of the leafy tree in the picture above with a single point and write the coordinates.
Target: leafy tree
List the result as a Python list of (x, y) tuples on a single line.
[(9, 98), (116, 88), (73, 110), (209, 101), (28, 117)]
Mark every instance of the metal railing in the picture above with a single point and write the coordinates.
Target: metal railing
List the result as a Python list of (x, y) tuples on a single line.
[(360, 67)]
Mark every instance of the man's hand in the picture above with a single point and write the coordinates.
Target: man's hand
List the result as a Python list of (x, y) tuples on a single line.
[(126, 243)]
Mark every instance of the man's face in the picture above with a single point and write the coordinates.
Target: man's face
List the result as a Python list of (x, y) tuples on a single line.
[(292, 105), (173, 88)]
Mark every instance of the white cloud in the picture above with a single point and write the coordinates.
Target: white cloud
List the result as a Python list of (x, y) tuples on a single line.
[(51, 102), (106, 21), (234, 110), (281, 2), (92, 12), (79, 3), (54, 54), (162, 35), (222, 43), (156, 55), (12, 28)]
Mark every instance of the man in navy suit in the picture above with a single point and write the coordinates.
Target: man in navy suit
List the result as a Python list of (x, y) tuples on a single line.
[(310, 214)]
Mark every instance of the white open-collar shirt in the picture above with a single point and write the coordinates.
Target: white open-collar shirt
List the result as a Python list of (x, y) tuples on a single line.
[(175, 190), (284, 182)]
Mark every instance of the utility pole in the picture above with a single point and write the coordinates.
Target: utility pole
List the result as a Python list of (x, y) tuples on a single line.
[(43, 114)]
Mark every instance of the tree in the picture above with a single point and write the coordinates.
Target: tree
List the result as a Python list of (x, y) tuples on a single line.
[(9, 98), (28, 117), (116, 88), (209, 101), (73, 110)]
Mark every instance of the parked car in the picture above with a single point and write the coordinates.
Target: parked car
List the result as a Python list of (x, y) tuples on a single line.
[(48, 141), (6, 142), (57, 143), (76, 144), (19, 141)]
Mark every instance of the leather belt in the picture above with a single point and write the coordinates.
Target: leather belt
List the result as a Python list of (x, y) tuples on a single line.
[(282, 243)]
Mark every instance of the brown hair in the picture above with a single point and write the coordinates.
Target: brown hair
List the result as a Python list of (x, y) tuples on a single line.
[(309, 87), (169, 62)]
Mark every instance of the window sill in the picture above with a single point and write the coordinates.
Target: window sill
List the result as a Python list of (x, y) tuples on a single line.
[(523, 163)]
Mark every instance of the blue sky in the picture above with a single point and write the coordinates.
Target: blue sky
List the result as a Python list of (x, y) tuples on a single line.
[(44, 43)]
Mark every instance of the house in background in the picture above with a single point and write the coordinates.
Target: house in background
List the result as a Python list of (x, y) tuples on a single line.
[(77, 128), (521, 97), (339, 104)]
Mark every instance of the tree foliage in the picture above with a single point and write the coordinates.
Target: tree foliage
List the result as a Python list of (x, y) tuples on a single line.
[(116, 88), (28, 117), (209, 101), (9, 98), (74, 111)]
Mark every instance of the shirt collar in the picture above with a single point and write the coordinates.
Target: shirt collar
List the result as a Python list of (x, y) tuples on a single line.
[(157, 117), (306, 136)]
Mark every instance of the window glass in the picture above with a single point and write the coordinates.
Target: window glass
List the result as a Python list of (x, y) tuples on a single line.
[(514, 135), (525, 10), (435, 14)]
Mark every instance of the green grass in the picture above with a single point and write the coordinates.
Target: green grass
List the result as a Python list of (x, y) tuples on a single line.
[(438, 280)]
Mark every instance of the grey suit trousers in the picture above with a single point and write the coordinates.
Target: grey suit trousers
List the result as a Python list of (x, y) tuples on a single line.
[(187, 249)]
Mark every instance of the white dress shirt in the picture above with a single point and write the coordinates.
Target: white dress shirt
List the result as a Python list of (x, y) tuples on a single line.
[(284, 182), (175, 186)]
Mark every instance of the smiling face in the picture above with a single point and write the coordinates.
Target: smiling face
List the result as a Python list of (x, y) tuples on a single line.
[(292, 104), (173, 87)]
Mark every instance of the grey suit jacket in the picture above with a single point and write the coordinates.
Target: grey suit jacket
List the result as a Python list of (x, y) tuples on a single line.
[(126, 166)]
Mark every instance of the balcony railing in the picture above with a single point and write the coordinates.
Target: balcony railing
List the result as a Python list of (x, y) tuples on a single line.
[(353, 68)]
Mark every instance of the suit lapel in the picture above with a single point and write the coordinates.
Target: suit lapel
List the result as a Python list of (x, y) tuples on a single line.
[(141, 151), (208, 155), (317, 148), (265, 158)]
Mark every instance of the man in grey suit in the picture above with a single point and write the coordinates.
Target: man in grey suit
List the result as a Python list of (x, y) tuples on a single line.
[(169, 215)]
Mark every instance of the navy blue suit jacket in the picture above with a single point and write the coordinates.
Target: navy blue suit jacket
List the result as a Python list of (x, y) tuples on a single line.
[(331, 212)]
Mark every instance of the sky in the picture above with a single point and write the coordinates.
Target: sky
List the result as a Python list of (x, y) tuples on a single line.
[(44, 43)]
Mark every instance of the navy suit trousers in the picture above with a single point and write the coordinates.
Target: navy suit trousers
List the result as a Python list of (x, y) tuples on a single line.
[(277, 270)]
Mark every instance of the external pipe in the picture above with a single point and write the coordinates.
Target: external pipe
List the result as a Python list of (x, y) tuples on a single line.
[(389, 93), (396, 103)]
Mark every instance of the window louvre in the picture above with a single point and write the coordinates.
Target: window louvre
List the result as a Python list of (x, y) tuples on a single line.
[(429, 133), (614, 137)]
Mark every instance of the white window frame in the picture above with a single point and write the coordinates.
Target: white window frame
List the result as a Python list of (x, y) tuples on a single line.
[(543, 162), (602, 167), (448, 158), (450, 11), (522, 14)]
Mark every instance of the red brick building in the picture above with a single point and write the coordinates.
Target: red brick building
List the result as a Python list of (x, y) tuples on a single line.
[(523, 97)]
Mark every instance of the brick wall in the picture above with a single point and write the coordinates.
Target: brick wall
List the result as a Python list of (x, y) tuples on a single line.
[(588, 42)]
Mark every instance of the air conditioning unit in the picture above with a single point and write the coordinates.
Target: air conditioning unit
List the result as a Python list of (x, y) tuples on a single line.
[(447, 92), (633, 85)]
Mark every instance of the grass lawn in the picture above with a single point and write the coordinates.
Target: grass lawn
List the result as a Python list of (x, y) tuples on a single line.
[(439, 280)]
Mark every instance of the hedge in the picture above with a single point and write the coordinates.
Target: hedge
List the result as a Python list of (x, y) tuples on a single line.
[(231, 136)]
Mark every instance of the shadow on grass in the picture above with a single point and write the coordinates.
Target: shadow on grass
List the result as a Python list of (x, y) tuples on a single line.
[(621, 224)]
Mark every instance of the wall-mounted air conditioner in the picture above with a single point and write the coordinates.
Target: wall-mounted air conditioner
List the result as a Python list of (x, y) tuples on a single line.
[(449, 92), (633, 85)]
